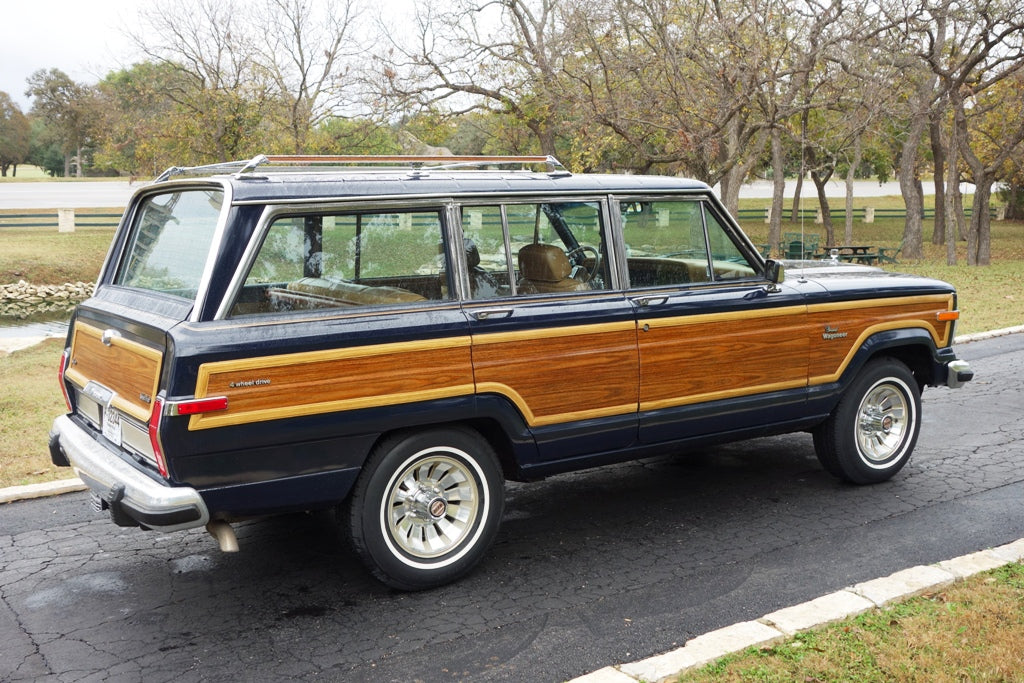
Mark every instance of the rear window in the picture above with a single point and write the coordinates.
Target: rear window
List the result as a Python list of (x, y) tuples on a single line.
[(170, 242)]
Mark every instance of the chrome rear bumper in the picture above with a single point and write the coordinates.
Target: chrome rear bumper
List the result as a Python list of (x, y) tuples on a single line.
[(132, 497)]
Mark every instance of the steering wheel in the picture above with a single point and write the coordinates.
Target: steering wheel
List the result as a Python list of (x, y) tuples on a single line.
[(593, 272)]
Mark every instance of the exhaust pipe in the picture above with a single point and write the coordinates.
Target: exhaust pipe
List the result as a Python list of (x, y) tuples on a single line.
[(224, 534)]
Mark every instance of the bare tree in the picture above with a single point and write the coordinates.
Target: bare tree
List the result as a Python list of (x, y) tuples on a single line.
[(985, 48), (503, 56), (675, 83), (310, 51), (220, 96), (254, 74)]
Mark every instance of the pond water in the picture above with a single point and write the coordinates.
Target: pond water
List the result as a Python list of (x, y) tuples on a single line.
[(44, 325)]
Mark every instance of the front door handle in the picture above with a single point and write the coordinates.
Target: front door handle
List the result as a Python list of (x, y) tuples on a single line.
[(643, 301)]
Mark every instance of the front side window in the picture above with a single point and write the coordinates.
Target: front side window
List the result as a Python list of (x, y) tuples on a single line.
[(678, 242), (342, 260), (170, 242)]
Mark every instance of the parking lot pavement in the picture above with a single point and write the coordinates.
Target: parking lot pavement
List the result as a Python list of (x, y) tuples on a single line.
[(608, 571)]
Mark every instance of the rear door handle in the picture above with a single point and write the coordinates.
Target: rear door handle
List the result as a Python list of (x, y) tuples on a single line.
[(488, 313)]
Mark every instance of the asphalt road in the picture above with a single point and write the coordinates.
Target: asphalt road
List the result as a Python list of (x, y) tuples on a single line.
[(590, 569), (74, 195)]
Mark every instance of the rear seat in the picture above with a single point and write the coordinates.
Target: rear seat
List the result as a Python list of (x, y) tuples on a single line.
[(316, 292)]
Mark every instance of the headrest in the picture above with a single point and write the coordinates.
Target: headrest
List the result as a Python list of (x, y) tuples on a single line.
[(472, 253), (544, 262)]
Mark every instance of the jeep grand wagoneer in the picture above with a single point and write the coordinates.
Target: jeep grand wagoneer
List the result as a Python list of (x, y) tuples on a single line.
[(395, 341)]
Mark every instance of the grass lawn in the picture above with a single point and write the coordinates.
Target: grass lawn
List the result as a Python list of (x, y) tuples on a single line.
[(989, 298), (970, 631), (26, 172), (29, 402)]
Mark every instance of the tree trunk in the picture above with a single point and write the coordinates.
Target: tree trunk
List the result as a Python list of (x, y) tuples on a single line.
[(826, 212), (913, 236), (778, 188), (939, 161), (804, 118), (979, 236), (949, 203), (794, 214), (1014, 192), (850, 173)]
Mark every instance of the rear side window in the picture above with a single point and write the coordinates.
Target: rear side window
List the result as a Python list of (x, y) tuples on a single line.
[(370, 258), (170, 242)]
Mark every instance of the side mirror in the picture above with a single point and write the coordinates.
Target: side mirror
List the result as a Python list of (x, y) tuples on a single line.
[(774, 271)]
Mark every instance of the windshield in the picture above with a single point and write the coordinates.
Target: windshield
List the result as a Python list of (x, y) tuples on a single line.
[(170, 242)]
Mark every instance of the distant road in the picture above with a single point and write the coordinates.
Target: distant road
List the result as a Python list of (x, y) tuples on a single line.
[(106, 194), (110, 194)]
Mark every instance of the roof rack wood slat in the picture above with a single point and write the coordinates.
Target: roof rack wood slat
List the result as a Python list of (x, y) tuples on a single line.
[(408, 159), (416, 163)]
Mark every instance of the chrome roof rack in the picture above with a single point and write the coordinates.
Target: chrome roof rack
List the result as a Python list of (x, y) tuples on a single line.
[(418, 165)]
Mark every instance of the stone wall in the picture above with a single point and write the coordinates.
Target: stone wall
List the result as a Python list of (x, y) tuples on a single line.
[(21, 299)]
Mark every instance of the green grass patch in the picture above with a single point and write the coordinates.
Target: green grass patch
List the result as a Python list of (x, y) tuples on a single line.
[(26, 173), (43, 256), (29, 402), (989, 297), (970, 631)]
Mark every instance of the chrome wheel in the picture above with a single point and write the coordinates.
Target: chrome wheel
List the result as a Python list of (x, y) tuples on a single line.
[(432, 504), (884, 417), (871, 432), (427, 506)]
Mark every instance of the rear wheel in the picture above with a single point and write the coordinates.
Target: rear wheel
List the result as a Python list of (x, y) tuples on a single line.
[(426, 507), (872, 432)]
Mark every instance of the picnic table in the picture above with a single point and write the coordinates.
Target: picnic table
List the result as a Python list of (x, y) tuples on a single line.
[(859, 253)]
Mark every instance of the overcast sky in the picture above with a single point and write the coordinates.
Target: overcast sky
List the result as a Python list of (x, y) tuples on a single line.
[(83, 38)]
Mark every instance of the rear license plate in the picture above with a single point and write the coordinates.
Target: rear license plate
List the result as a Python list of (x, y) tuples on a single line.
[(112, 427)]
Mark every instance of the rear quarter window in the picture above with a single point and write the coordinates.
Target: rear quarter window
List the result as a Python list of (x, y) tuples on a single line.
[(170, 242)]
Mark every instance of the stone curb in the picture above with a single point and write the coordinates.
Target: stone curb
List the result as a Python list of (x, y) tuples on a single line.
[(979, 336), (49, 488), (784, 623)]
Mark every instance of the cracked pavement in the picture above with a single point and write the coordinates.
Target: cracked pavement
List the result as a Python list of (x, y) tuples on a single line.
[(590, 569)]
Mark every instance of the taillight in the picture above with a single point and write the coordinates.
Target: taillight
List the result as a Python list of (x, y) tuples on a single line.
[(64, 357), (154, 435), (195, 406)]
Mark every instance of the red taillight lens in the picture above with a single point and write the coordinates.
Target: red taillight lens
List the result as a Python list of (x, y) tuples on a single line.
[(199, 405), (154, 435), (64, 357)]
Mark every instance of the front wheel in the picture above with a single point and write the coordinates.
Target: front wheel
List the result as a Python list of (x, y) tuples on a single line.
[(871, 434), (426, 507)]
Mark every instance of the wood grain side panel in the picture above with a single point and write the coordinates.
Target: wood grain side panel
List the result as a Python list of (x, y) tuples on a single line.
[(830, 353), (561, 374), (700, 358), (300, 384), (130, 369)]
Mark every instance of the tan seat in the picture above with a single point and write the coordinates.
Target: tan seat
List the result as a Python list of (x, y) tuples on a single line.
[(545, 268)]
